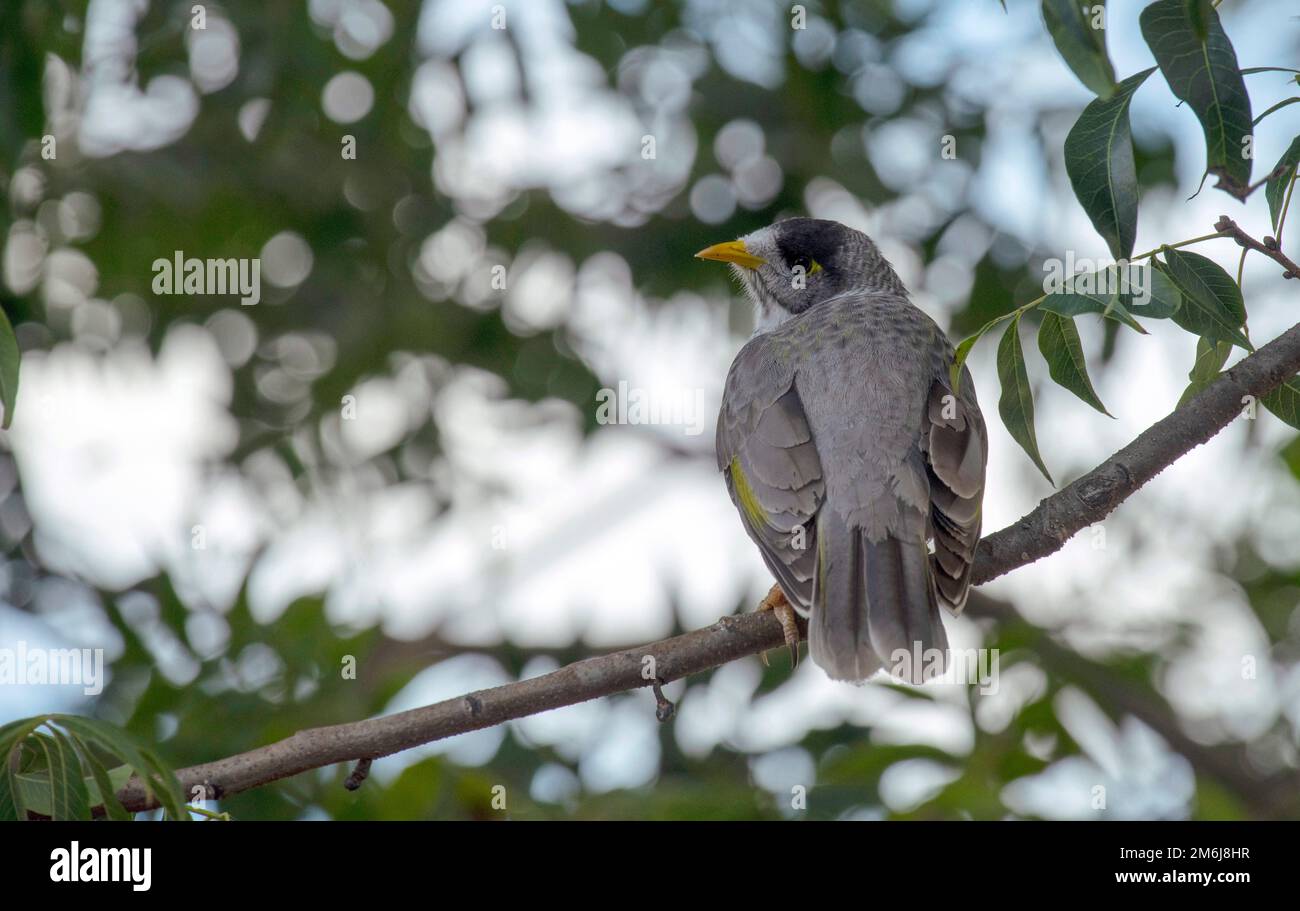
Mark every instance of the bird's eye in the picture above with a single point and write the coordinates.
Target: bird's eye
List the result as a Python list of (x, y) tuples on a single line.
[(807, 263)]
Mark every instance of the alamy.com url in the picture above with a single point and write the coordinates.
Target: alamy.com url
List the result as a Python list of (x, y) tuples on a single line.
[(1176, 876)]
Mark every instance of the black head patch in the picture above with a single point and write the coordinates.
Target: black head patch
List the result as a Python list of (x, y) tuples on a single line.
[(801, 241)]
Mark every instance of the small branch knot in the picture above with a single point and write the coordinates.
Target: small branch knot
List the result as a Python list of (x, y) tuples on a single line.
[(664, 709), (359, 774)]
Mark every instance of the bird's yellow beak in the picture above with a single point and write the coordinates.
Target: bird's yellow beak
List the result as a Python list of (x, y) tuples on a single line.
[(733, 251)]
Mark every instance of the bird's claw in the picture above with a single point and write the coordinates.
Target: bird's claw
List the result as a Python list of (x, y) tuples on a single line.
[(776, 602)]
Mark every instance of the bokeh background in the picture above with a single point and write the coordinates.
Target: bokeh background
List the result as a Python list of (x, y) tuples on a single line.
[(187, 485)]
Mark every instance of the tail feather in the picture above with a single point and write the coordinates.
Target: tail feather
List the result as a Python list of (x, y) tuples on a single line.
[(838, 638), (874, 604)]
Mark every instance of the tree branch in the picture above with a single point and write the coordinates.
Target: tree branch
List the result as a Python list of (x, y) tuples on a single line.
[(1269, 247), (1040, 533), (1092, 497)]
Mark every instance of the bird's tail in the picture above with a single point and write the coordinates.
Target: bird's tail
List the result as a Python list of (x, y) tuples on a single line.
[(874, 605)]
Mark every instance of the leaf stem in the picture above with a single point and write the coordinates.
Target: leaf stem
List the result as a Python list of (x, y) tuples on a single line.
[(1033, 303), (1181, 243), (1281, 219), (208, 814)]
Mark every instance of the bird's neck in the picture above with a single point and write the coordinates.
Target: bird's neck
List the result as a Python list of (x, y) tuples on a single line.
[(769, 316), (768, 313)]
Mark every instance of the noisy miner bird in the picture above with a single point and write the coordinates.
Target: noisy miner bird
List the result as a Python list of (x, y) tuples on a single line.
[(857, 468)]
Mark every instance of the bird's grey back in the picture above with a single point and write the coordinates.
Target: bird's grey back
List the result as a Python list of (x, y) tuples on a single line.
[(864, 364)]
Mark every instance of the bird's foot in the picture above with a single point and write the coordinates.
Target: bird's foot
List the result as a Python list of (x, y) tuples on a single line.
[(776, 602)]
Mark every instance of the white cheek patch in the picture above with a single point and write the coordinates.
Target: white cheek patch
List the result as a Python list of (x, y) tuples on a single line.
[(768, 314)]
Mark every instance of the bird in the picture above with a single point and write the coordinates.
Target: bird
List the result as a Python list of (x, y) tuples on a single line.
[(855, 461)]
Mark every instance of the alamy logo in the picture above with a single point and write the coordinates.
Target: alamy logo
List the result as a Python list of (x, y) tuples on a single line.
[(75, 864), (179, 275), (1087, 276), (967, 666), (23, 666), (633, 405)]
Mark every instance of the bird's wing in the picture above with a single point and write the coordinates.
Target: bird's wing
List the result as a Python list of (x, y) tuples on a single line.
[(773, 472), (956, 453)]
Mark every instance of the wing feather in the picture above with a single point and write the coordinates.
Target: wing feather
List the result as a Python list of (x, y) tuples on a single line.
[(773, 471), (957, 453)]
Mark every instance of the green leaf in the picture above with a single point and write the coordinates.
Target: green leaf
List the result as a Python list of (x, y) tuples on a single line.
[(1281, 104), (12, 735), (1163, 296), (1016, 405), (1212, 304), (54, 787), (104, 784), (9, 358), (1252, 70), (1099, 160), (1280, 178), (1058, 340), (34, 783), (10, 808), (1209, 361), (71, 799), (1082, 46), (964, 349), (158, 779), (1198, 14), (37, 791), (1284, 401), (50, 779), (1092, 292), (1204, 73)]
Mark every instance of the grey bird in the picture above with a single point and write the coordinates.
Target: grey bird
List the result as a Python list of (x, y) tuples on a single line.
[(856, 467)]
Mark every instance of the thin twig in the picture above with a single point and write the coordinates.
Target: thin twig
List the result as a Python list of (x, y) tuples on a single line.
[(1181, 243), (1268, 246)]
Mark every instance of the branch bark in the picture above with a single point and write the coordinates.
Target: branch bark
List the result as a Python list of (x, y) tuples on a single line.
[(1042, 532), (1269, 247)]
